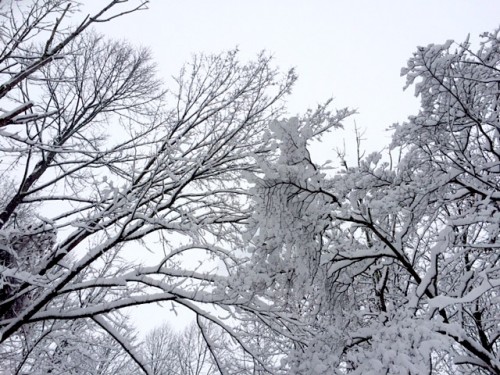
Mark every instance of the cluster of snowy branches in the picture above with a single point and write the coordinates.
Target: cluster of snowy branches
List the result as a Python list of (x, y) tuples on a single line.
[(394, 263), (388, 266)]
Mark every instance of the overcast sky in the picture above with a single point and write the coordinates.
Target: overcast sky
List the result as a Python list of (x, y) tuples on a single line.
[(352, 50)]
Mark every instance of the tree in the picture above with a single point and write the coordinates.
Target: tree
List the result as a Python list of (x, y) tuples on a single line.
[(393, 263), (78, 346), (179, 353), (108, 160), (21, 24)]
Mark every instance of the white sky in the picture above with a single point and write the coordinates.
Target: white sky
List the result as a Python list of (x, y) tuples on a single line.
[(351, 50)]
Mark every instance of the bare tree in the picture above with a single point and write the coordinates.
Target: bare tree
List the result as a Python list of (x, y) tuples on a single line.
[(42, 20), (160, 346), (179, 353)]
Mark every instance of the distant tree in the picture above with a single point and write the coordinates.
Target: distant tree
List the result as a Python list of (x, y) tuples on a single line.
[(160, 346), (393, 264), (179, 353), (77, 346)]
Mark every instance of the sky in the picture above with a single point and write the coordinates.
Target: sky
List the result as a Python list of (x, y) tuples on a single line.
[(350, 50)]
